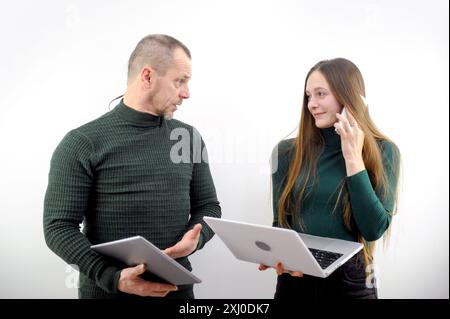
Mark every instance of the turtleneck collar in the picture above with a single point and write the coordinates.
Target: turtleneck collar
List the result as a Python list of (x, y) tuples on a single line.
[(330, 136), (136, 117)]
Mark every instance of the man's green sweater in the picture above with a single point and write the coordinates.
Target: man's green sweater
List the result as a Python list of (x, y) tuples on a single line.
[(117, 177), (371, 210)]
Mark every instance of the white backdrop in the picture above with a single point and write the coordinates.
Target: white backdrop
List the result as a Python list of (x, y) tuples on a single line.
[(62, 61)]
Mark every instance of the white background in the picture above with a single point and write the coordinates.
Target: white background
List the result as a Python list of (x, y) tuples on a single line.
[(61, 63)]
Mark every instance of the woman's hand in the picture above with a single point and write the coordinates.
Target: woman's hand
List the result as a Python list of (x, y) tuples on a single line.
[(280, 270), (352, 141)]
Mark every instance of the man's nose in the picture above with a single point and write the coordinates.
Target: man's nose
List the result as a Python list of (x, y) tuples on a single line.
[(184, 93)]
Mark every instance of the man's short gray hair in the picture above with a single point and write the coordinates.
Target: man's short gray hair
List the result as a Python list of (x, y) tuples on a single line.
[(155, 50)]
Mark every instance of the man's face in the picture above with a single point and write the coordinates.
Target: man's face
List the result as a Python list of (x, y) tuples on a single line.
[(321, 102), (171, 89)]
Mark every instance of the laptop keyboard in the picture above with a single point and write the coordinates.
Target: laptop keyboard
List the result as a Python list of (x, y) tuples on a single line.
[(324, 258)]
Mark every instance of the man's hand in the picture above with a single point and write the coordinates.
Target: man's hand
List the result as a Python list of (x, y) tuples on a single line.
[(131, 283), (186, 245)]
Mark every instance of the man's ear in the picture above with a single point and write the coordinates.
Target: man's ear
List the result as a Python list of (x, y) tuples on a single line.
[(147, 74)]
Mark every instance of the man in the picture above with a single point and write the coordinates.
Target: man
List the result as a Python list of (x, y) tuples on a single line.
[(121, 175)]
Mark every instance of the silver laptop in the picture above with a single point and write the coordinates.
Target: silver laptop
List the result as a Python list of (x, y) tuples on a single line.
[(312, 255), (137, 250)]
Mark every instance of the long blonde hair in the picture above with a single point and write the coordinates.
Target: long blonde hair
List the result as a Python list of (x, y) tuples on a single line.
[(347, 85)]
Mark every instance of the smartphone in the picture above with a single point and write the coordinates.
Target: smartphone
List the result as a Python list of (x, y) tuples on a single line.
[(344, 112), (364, 100)]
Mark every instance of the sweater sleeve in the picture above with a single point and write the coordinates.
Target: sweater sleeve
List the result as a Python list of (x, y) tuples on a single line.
[(65, 205), (202, 196), (372, 209)]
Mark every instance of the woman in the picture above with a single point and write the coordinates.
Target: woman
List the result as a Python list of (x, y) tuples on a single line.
[(338, 178)]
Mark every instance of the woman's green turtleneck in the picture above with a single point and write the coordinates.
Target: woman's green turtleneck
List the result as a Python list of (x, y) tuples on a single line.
[(371, 210)]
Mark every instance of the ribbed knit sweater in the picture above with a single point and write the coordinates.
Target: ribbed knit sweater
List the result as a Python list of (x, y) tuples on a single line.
[(115, 175), (371, 210)]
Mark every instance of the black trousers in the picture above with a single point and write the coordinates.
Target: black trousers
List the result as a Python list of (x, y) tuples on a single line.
[(348, 281)]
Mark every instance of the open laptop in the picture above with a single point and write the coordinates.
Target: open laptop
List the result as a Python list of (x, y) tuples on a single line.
[(137, 250), (312, 255)]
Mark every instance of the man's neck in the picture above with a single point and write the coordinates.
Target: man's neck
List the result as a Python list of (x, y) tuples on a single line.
[(136, 102)]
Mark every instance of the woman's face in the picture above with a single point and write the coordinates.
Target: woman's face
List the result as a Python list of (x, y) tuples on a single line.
[(321, 102)]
